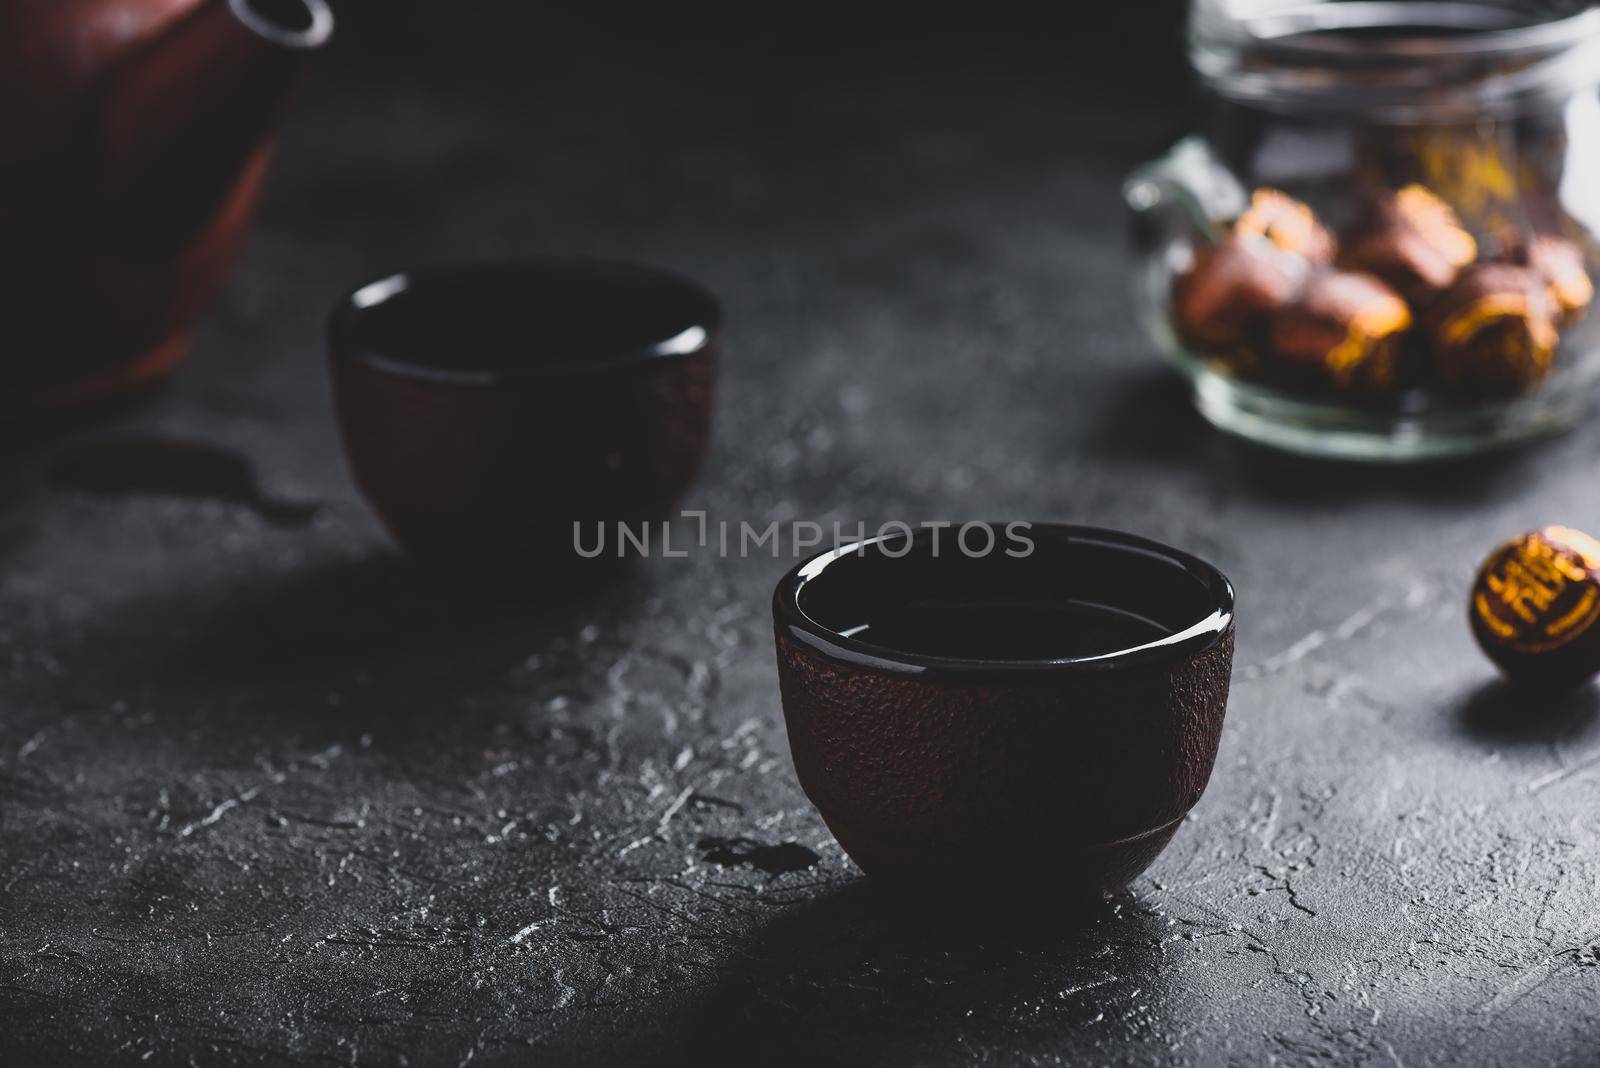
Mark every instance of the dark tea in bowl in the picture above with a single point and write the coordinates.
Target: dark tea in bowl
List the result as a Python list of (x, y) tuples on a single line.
[(1029, 722), (488, 411)]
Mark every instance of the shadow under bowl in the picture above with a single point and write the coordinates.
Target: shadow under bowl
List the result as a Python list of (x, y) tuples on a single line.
[(1034, 721), (492, 413)]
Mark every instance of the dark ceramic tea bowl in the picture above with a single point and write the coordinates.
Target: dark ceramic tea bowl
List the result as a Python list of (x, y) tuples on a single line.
[(1034, 721), (486, 410)]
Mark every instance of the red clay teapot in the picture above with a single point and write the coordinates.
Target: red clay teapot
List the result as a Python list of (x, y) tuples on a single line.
[(134, 136)]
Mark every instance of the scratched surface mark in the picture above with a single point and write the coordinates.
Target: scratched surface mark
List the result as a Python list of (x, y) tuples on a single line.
[(267, 795)]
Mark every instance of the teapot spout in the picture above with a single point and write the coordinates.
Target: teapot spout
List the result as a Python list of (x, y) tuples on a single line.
[(186, 115), (296, 25)]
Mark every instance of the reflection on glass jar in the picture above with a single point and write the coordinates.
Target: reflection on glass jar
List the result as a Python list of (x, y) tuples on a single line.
[(1380, 242)]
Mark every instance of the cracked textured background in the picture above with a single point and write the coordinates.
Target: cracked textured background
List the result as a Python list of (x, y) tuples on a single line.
[(267, 795)]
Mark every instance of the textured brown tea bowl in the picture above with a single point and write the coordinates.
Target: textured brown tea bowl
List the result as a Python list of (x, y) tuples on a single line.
[(1022, 770), (487, 409)]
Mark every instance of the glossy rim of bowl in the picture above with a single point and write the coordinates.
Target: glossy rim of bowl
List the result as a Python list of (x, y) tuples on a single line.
[(698, 337), (1200, 636)]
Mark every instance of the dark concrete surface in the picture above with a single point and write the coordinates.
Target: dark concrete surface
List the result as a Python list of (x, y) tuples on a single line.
[(267, 795)]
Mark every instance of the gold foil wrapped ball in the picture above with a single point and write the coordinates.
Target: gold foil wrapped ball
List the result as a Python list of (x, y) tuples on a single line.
[(1560, 263), (1535, 608), (1412, 240), (1342, 332), (1290, 225), (1230, 289), (1494, 332)]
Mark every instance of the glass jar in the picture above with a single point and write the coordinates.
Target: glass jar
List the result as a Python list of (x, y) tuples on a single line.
[(1379, 243)]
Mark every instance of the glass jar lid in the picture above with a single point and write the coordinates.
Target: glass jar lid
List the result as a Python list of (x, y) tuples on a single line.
[(1396, 60)]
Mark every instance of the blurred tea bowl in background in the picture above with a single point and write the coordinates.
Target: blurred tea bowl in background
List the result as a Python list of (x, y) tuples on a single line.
[(1030, 722), (487, 409)]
